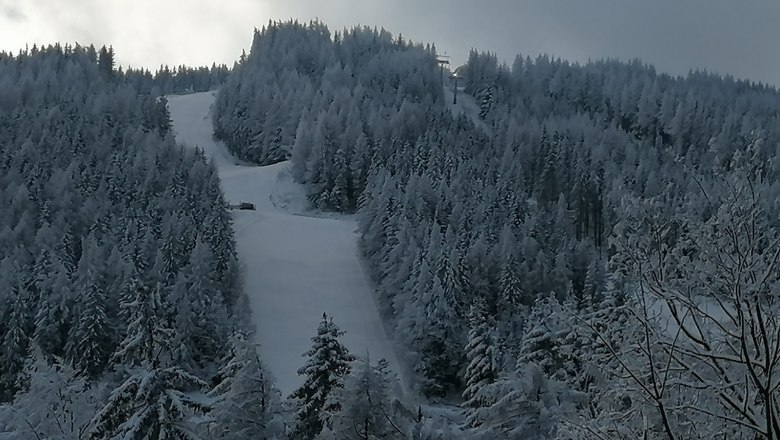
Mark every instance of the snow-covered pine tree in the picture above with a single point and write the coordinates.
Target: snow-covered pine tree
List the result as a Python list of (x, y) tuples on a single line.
[(51, 320), (525, 405), (482, 357), (197, 311), (16, 343), (172, 247), (218, 235), (152, 403), (156, 398), (128, 292), (91, 341), (512, 301), (246, 405), (146, 333), (542, 343), (440, 357), (367, 411), (327, 364), (58, 403)]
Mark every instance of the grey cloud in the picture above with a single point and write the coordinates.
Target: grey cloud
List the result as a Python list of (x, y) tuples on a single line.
[(726, 36), (11, 12)]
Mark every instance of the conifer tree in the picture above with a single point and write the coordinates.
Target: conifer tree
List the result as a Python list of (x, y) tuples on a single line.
[(439, 355), (246, 403), (327, 364), (16, 344), (198, 314), (152, 403), (52, 318), (549, 340), (146, 333), (91, 341), (154, 400), (366, 402), (482, 357), (58, 404)]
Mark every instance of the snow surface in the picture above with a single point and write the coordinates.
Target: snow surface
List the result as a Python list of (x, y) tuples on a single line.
[(296, 265), (466, 105)]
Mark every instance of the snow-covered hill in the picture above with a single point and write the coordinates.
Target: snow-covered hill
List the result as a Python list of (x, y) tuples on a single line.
[(295, 266)]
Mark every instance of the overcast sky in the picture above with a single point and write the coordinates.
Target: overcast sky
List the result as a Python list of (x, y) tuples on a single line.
[(739, 37)]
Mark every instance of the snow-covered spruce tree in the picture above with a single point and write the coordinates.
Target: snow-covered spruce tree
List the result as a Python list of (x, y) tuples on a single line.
[(246, 405), (58, 403), (197, 312), (532, 398), (603, 330), (482, 357), (439, 341), (548, 342), (16, 345), (156, 398), (329, 361), (90, 342), (525, 404), (147, 335), (51, 321), (367, 405)]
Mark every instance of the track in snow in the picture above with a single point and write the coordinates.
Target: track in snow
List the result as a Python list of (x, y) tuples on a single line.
[(295, 267)]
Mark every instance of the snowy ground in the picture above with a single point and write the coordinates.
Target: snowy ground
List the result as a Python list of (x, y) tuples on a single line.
[(466, 105), (295, 266)]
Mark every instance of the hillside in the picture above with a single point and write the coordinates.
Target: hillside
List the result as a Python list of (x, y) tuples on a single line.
[(295, 266), (522, 243), (572, 251)]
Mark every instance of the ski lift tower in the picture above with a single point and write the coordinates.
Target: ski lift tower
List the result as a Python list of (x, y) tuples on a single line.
[(455, 78), (442, 60)]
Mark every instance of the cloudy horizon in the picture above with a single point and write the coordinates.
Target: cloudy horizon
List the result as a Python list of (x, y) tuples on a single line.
[(717, 35)]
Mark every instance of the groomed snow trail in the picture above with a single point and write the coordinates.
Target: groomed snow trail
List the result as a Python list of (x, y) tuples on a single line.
[(295, 267)]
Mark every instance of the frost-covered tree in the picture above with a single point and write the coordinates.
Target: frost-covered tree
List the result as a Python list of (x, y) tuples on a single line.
[(545, 342), (525, 404), (16, 346), (52, 318), (152, 403), (197, 311), (367, 410), (155, 399), (246, 405), (58, 403), (147, 335), (328, 362), (482, 357), (91, 341), (704, 314)]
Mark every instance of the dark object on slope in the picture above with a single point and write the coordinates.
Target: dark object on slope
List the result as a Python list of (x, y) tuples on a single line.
[(246, 206)]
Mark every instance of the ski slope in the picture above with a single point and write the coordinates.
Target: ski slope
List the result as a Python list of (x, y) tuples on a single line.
[(466, 105), (295, 266)]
